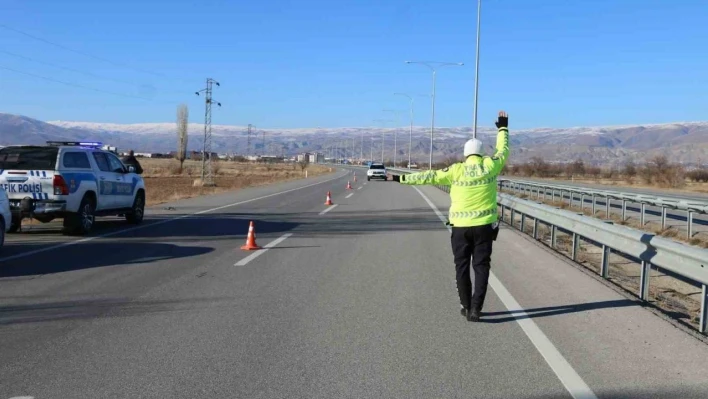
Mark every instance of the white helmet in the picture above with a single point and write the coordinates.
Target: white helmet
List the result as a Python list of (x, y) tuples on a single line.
[(473, 147)]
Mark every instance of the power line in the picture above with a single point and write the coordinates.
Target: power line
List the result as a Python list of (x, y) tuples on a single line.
[(74, 84), (122, 65), (87, 73)]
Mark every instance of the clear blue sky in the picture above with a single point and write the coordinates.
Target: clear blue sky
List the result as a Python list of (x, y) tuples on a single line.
[(310, 63)]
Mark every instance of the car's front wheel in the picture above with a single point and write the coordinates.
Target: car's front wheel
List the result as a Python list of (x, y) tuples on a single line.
[(137, 213)]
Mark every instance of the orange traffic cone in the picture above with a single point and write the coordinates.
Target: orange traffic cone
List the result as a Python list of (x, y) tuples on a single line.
[(349, 186), (354, 177), (329, 199), (251, 239)]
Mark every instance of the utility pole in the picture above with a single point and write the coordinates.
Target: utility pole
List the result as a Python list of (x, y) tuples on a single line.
[(361, 152), (264, 149), (207, 171), (248, 151), (371, 147)]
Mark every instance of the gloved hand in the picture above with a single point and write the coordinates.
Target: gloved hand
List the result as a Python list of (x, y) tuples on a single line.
[(503, 120), (396, 178)]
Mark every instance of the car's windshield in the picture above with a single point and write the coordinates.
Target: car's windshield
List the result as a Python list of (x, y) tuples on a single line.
[(28, 158), (376, 167)]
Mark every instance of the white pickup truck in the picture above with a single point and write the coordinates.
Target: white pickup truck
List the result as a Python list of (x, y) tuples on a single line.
[(76, 181)]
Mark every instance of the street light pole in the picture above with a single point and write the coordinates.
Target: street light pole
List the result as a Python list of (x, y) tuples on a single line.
[(395, 134), (432, 66), (371, 148), (476, 72), (410, 132), (383, 137)]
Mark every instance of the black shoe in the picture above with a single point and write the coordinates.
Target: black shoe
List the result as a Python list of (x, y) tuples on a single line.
[(473, 315), (463, 312)]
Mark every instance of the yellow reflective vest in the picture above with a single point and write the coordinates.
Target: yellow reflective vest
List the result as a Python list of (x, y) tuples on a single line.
[(473, 184)]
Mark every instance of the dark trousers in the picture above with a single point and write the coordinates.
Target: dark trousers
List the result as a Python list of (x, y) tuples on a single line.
[(475, 243)]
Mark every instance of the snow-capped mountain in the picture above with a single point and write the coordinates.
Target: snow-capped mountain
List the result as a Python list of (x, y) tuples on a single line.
[(685, 142)]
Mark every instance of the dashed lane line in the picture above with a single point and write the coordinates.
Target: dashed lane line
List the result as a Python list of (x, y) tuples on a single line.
[(328, 209), (259, 252)]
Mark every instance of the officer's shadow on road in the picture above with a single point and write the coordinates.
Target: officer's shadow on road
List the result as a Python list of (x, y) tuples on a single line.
[(513, 315), (98, 254)]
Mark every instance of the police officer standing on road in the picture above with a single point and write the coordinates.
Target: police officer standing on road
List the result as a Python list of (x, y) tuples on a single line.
[(130, 160), (473, 213)]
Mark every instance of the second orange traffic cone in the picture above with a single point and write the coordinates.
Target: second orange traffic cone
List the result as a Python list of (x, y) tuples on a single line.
[(329, 199), (349, 186), (251, 239)]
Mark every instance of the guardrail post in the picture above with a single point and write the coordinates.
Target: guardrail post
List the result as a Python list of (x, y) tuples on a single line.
[(503, 209), (593, 204), (604, 266), (582, 201), (608, 207), (663, 217), (544, 193), (553, 195), (644, 281), (576, 246), (703, 324), (690, 224), (511, 222), (570, 200), (641, 211), (523, 221), (624, 210), (554, 233), (535, 228)]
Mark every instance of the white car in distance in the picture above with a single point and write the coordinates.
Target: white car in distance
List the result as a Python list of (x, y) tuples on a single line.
[(376, 171)]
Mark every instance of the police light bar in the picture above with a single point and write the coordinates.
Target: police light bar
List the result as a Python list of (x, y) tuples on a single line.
[(76, 143)]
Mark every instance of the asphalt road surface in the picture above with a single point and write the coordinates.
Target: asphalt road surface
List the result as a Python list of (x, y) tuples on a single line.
[(355, 300)]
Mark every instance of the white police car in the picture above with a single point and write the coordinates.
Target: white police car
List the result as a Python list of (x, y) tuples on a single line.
[(76, 181), (5, 216)]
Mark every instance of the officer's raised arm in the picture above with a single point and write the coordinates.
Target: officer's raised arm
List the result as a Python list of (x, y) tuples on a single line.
[(502, 149)]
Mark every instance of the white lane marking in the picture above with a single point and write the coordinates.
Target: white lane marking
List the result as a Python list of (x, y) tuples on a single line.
[(83, 240), (360, 188), (259, 252), (348, 195), (575, 385), (328, 209)]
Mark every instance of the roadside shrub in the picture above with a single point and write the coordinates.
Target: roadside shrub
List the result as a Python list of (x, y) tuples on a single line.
[(698, 175)]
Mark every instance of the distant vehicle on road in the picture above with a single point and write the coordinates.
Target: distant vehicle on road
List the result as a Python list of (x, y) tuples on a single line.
[(5, 216), (376, 171), (76, 181), (412, 166)]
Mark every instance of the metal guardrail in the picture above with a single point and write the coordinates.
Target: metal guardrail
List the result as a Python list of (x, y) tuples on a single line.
[(684, 260), (543, 191)]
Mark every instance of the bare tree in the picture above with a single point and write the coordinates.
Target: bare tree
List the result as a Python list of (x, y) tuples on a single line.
[(303, 164), (182, 134)]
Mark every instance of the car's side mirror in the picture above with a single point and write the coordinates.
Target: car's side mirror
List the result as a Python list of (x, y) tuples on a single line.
[(131, 169)]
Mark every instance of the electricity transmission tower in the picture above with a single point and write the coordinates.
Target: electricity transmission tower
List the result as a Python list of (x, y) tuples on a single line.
[(207, 172)]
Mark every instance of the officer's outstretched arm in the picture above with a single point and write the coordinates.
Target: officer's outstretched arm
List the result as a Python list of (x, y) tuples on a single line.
[(440, 177)]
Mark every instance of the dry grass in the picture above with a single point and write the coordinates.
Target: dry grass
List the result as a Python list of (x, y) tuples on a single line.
[(689, 187), (164, 183)]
